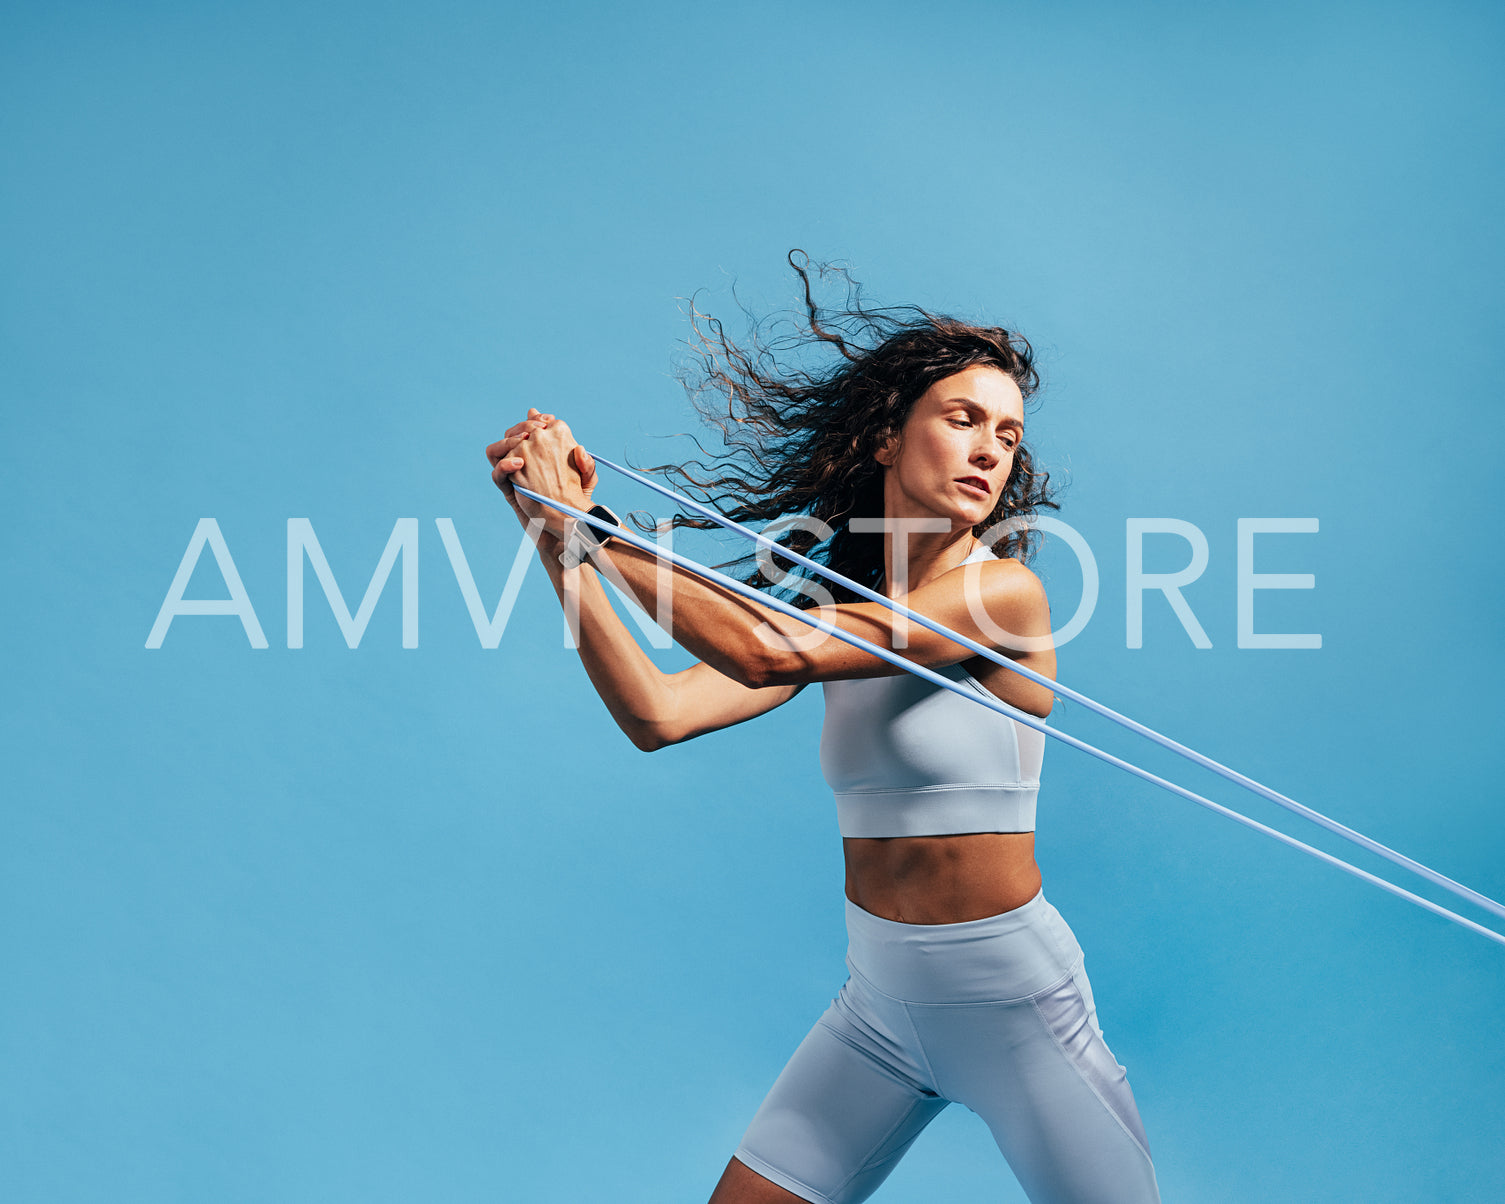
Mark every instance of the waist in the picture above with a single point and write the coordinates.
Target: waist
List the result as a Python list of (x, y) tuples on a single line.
[(941, 879), (1012, 955)]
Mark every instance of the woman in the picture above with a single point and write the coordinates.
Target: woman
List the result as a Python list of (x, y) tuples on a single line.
[(965, 983)]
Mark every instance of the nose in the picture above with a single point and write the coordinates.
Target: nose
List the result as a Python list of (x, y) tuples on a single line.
[(985, 455)]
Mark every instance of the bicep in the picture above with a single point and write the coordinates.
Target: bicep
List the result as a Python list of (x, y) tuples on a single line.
[(705, 700)]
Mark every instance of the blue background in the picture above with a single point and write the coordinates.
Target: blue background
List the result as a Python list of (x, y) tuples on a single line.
[(394, 925)]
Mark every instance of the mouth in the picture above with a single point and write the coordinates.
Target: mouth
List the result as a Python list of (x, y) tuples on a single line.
[(976, 485)]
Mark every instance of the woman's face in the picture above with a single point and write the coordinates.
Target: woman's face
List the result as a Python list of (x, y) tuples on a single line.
[(956, 449)]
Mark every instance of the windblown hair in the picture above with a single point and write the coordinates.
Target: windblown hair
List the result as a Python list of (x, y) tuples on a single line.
[(801, 439)]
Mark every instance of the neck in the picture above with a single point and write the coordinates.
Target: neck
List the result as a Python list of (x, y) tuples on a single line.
[(915, 558)]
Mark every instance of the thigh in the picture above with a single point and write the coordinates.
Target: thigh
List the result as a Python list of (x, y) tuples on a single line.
[(842, 1113), (740, 1184), (1058, 1103)]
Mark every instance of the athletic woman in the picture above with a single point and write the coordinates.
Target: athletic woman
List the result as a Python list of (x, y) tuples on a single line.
[(904, 459)]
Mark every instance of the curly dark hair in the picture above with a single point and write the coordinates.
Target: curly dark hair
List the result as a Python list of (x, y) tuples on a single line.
[(800, 438)]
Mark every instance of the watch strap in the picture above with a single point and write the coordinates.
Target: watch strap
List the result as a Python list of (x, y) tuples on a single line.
[(583, 539)]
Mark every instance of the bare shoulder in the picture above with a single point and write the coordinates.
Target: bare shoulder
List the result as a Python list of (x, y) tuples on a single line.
[(1018, 625), (1012, 569), (1004, 599), (1005, 579)]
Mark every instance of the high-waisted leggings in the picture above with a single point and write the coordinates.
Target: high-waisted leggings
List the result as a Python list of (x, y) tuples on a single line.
[(995, 1014)]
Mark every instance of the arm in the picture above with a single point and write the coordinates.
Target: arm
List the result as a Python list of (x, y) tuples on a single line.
[(653, 708), (758, 647)]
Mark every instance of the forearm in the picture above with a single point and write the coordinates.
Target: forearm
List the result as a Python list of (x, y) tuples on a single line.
[(638, 694), (758, 647), (735, 636)]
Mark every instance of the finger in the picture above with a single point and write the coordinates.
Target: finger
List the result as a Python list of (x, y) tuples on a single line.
[(529, 424), (585, 465), (508, 460), (500, 450), (514, 436)]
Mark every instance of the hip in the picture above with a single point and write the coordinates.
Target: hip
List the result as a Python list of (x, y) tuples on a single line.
[(1013, 955)]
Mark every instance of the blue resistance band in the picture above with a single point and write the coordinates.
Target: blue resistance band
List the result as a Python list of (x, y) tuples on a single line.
[(634, 540), (998, 658)]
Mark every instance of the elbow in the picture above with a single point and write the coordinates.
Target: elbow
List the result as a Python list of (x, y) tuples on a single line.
[(756, 658), (761, 666), (646, 737), (763, 678), (650, 735)]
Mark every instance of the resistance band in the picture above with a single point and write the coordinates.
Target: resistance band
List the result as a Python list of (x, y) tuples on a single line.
[(1065, 691), (634, 540)]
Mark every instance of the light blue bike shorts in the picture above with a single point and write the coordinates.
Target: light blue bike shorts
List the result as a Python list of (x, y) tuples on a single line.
[(995, 1014)]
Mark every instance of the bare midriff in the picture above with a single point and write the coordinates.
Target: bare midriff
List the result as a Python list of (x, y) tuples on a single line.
[(942, 879)]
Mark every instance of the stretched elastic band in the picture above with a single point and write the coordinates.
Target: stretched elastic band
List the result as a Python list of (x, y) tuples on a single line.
[(995, 704), (998, 658)]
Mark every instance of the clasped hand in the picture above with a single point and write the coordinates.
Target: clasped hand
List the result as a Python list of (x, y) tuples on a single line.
[(541, 454)]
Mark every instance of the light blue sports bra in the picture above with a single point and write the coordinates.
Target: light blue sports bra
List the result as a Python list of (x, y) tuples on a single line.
[(908, 758)]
